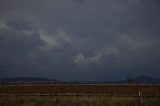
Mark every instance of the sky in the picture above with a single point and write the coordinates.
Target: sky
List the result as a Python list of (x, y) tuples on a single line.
[(79, 39)]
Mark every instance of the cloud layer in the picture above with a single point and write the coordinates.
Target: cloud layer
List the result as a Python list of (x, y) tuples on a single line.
[(80, 39)]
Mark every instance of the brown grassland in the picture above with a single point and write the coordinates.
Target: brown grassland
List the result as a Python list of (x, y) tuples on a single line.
[(80, 95)]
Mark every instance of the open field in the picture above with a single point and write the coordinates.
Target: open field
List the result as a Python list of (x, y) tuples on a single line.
[(77, 101), (82, 89), (80, 95)]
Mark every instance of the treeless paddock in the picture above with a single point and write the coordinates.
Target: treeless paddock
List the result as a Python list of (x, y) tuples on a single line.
[(77, 101), (148, 90), (80, 95)]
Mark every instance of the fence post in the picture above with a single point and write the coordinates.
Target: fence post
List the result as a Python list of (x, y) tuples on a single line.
[(140, 95)]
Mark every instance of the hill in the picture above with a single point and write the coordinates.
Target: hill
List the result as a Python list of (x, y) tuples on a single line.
[(27, 80), (146, 79)]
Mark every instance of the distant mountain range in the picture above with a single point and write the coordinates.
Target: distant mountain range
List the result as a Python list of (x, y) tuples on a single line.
[(146, 79), (27, 80), (138, 79)]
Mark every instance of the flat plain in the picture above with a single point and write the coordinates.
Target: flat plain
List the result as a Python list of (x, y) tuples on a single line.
[(80, 95)]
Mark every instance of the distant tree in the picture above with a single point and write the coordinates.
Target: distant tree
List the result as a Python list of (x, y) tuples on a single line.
[(130, 80)]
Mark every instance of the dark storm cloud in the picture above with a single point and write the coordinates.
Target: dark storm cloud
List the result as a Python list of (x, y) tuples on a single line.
[(16, 45), (96, 39), (20, 24)]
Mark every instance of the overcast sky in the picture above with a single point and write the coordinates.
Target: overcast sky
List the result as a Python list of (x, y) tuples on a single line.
[(79, 39)]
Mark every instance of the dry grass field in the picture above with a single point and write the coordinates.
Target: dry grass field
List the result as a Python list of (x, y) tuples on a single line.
[(78, 89), (80, 95), (77, 101)]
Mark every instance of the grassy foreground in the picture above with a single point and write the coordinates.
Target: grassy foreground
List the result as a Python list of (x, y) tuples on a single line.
[(77, 101), (118, 89)]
